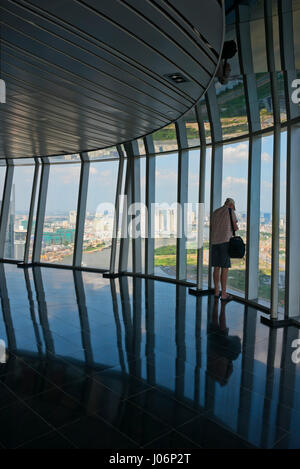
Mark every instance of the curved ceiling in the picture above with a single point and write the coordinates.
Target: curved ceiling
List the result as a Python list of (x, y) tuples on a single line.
[(82, 75)]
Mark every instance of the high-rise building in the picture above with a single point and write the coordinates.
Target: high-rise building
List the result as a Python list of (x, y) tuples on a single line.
[(72, 217)]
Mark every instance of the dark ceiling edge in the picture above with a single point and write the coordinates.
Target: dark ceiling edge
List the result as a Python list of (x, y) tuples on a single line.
[(160, 128), (171, 19), (203, 39), (34, 8), (87, 82), (138, 39), (165, 84), (49, 18), (96, 69), (143, 118)]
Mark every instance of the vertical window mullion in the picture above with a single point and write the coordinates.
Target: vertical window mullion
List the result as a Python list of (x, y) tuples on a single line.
[(182, 199), (217, 158), (41, 208), (117, 212), (254, 165), (201, 198), (31, 210), (6, 205), (292, 294), (81, 209), (276, 160), (150, 200)]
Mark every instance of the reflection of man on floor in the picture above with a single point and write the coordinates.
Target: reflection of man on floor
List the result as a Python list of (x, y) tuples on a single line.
[(222, 348)]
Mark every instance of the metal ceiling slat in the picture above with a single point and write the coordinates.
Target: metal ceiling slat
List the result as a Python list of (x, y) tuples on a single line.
[(148, 46), (108, 76), (91, 111), (82, 75), (97, 126), (93, 41), (50, 125), (61, 85), (64, 130), (77, 76), (188, 16), (171, 30), (131, 73), (118, 36), (66, 115), (19, 120), (180, 23)]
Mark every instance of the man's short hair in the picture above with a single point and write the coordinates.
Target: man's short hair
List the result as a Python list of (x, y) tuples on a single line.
[(229, 201)]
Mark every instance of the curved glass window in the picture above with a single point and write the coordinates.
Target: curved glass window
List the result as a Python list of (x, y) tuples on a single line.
[(235, 184), (265, 230), (192, 214), (165, 139), (60, 215), (2, 180), (18, 212), (165, 215), (282, 220), (100, 214), (232, 107), (192, 130), (206, 227)]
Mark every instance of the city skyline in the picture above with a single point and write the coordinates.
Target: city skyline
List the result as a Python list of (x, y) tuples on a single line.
[(65, 177)]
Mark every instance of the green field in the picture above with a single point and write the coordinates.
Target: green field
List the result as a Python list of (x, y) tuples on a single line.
[(94, 248)]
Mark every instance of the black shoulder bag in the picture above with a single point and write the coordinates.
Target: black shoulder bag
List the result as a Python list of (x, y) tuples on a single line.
[(236, 244)]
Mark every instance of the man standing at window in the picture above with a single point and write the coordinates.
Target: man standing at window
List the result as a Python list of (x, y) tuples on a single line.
[(221, 232)]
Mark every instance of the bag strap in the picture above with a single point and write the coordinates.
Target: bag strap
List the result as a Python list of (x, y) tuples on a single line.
[(232, 226)]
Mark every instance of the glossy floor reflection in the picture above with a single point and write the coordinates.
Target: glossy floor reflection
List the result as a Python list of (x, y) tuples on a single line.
[(129, 363)]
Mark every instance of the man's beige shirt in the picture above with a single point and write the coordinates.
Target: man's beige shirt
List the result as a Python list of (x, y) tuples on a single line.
[(221, 230)]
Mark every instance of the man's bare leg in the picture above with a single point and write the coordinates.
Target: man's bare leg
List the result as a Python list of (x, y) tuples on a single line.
[(216, 276), (224, 275)]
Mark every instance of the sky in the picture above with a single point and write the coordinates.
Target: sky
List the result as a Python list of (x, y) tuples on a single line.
[(64, 179)]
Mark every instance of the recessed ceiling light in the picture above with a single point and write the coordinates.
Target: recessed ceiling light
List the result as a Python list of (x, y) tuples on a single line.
[(176, 77)]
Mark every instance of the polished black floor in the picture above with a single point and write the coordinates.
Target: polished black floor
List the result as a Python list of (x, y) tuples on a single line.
[(131, 363)]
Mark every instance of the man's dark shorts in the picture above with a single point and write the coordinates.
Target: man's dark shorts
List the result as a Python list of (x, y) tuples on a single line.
[(220, 255)]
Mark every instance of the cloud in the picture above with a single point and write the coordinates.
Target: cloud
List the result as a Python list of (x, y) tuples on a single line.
[(105, 174), (267, 185), (266, 157), (194, 180), (68, 174), (237, 189), (235, 154), (234, 183), (165, 175), (28, 170)]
